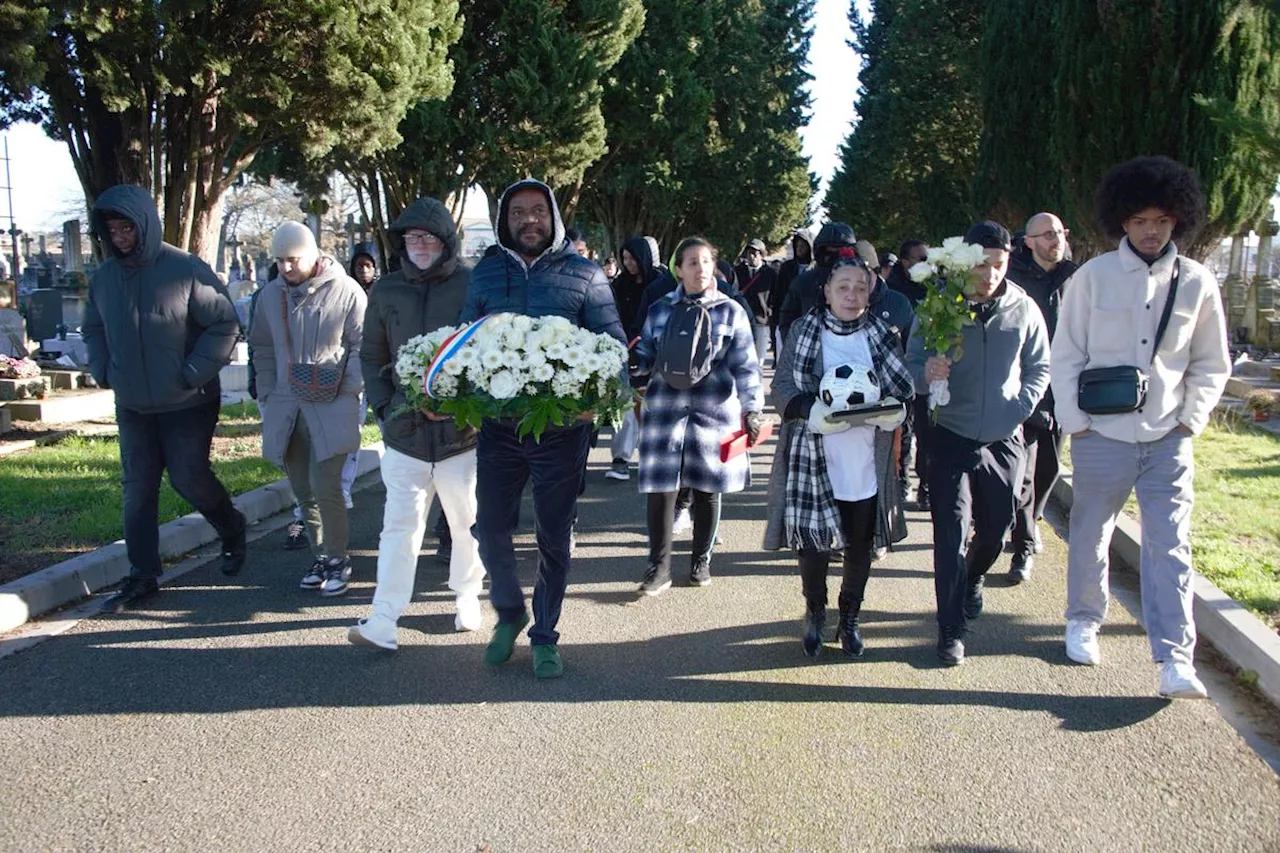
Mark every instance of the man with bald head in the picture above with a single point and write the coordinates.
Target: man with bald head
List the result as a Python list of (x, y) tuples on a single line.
[(1040, 267)]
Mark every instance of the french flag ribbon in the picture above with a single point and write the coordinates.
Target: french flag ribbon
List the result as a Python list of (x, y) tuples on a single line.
[(448, 349)]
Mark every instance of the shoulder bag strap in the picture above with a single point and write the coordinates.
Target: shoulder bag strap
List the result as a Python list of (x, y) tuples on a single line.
[(284, 322), (1168, 307)]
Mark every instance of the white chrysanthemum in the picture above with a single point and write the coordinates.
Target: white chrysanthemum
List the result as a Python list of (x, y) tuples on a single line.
[(453, 368), (556, 350), (535, 358), (492, 359), (573, 356), (513, 358), (543, 372), (444, 385), (522, 322), (466, 356), (582, 373)]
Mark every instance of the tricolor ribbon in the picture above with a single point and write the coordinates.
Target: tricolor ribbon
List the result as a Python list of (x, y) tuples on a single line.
[(448, 350)]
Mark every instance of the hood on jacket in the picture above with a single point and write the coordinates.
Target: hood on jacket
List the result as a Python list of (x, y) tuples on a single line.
[(638, 247), (135, 204), (430, 215), (507, 241), (833, 235), (362, 250), (724, 271)]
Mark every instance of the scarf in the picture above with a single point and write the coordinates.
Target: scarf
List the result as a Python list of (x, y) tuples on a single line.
[(811, 518)]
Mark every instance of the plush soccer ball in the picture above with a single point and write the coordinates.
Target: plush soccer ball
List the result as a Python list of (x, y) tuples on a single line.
[(848, 385)]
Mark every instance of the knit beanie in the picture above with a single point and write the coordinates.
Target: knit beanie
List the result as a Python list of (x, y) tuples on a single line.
[(294, 240)]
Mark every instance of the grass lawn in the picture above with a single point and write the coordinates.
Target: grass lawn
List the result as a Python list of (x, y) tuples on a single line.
[(65, 499), (1235, 529)]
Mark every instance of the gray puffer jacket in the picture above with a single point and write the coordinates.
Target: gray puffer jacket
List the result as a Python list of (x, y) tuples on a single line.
[(558, 282), (158, 324), (403, 304), (325, 316)]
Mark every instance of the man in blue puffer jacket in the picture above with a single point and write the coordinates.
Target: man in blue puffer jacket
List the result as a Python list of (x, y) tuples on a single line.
[(539, 273)]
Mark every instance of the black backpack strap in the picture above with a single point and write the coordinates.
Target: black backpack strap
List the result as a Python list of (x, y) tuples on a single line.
[(1168, 307)]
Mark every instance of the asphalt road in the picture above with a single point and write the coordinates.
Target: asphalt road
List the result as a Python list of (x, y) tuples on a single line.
[(233, 715)]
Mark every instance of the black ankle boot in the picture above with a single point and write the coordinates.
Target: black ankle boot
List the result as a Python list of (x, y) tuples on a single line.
[(850, 637), (815, 622)]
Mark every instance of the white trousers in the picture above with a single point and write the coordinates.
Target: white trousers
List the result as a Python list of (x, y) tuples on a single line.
[(411, 483)]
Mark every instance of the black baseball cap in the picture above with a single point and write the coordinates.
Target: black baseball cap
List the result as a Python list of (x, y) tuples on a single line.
[(989, 235)]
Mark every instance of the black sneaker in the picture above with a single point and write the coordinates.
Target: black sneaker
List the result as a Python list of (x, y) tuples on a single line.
[(657, 580), (133, 590), (922, 500), (701, 573), (973, 599), (619, 470), (950, 645), (235, 548), (1020, 568), (297, 539), (815, 622), (314, 576)]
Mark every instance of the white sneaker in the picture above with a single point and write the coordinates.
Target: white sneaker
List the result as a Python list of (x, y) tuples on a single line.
[(683, 523), (1082, 641), (1179, 681), (346, 498), (468, 617), (377, 631)]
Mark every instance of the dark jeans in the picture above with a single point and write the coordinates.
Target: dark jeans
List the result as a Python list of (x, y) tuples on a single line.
[(970, 485), (705, 513), (858, 523), (503, 464), (917, 424), (1044, 453), (178, 441)]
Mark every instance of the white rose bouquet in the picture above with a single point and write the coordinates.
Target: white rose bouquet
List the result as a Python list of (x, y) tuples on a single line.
[(542, 370), (945, 311)]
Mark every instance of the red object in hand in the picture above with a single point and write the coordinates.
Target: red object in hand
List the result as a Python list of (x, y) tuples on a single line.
[(736, 443)]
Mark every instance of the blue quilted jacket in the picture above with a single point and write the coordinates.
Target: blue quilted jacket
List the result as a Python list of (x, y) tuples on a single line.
[(558, 282)]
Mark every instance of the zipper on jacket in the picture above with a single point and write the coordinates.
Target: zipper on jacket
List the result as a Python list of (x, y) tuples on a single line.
[(982, 405)]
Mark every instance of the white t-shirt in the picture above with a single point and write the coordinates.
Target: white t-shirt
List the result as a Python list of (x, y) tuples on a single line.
[(851, 455)]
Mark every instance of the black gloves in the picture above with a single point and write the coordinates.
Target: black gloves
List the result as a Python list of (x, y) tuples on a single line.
[(751, 422)]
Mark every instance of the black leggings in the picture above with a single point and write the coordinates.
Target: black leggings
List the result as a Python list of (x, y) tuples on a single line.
[(705, 512), (858, 524)]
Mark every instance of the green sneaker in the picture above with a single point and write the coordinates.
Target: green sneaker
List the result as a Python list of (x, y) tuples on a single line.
[(546, 662), (504, 641)]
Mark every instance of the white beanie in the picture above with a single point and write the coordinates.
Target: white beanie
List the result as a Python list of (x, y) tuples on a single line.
[(294, 240)]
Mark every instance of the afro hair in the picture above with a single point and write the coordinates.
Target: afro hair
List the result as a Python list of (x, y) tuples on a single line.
[(1145, 182)]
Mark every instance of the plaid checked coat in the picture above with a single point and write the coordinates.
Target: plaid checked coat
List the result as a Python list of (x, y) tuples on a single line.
[(891, 525), (681, 431)]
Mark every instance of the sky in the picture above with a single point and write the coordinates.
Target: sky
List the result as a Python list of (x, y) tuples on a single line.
[(45, 190)]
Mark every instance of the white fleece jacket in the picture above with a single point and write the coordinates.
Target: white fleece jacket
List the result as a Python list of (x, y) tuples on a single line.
[(1110, 313)]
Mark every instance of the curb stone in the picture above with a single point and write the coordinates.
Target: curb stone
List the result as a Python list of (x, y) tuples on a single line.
[(74, 579), (1242, 637)]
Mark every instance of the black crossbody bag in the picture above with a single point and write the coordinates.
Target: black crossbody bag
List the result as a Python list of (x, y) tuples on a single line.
[(1123, 388)]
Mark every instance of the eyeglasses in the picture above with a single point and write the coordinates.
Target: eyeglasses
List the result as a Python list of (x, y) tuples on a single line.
[(1059, 233), (421, 239)]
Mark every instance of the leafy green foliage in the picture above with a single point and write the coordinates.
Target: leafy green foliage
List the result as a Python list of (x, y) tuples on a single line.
[(180, 97), (906, 169), (704, 112), (1073, 88)]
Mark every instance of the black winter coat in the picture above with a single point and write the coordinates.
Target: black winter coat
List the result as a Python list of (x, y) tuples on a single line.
[(1044, 287), (403, 304)]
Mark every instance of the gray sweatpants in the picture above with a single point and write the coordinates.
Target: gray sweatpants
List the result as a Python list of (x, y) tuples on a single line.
[(1105, 471)]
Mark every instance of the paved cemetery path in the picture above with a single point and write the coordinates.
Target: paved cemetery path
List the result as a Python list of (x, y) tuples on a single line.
[(233, 715)]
